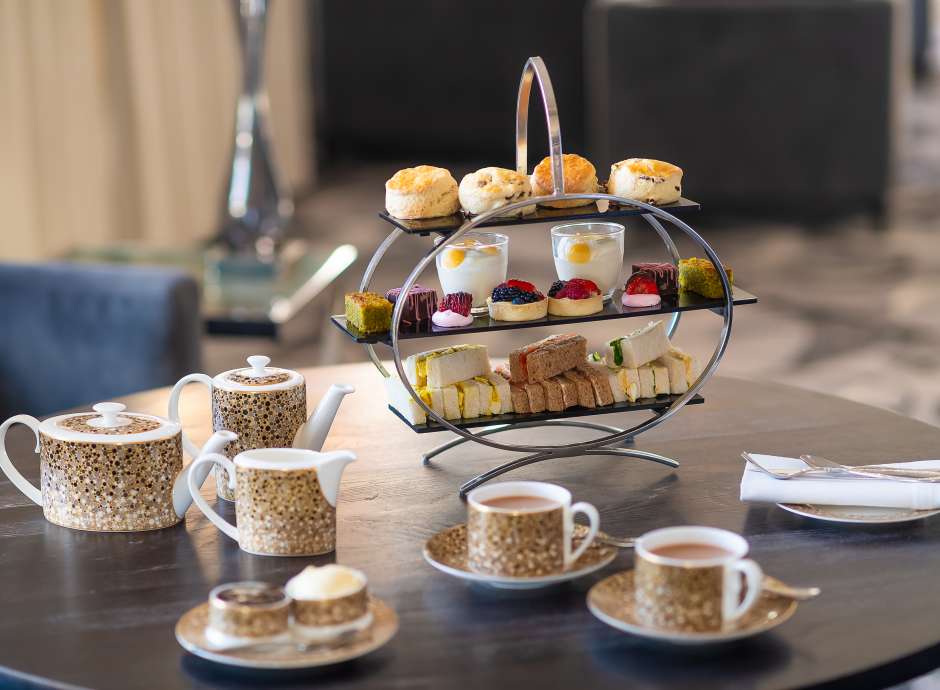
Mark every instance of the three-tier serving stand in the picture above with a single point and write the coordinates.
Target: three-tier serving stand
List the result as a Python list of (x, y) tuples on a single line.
[(603, 206)]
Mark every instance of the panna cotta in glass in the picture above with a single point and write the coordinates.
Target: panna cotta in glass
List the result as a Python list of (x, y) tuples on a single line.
[(476, 263), (593, 251)]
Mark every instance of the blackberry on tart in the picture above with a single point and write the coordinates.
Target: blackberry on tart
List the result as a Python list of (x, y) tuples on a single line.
[(575, 297), (516, 300)]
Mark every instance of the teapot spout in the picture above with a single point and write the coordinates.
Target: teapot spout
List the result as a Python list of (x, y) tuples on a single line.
[(312, 434), (182, 499), (330, 468)]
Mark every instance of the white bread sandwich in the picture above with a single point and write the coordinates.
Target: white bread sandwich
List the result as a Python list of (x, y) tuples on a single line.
[(647, 386), (681, 368), (448, 365), (503, 394), (638, 347), (402, 401), (660, 377), (443, 401), (630, 383), (468, 397)]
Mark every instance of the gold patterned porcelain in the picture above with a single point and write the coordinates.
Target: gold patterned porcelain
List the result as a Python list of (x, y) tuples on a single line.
[(108, 471), (613, 601), (265, 406), (191, 633), (524, 542), (247, 611), (693, 595), (285, 499), (447, 551)]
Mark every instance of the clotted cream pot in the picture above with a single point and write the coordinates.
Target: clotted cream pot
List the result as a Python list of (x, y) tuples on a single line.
[(265, 406), (108, 470)]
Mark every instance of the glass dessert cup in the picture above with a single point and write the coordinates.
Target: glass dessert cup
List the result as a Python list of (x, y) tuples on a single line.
[(476, 263), (591, 250)]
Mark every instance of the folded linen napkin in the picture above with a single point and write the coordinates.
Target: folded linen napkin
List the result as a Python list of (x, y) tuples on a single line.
[(759, 486)]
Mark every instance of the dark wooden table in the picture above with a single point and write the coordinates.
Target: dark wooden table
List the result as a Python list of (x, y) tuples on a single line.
[(98, 610)]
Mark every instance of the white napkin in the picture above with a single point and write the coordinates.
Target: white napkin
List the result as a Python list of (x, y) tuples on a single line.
[(759, 486)]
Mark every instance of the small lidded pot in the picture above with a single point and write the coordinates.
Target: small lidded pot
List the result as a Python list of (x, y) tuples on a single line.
[(329, 601), (105, 471), (264, 405), (242, 612)]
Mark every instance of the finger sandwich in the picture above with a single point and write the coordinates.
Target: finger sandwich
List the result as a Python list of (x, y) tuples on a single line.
[(444, 401), (647, 385), (446, 366), (598, 375), (660, 377), (497, 392), (681, 367), (546, 358), (638, 347)]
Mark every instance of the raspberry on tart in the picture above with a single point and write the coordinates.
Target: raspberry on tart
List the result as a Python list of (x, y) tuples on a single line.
[(516, 300), (575, 297)]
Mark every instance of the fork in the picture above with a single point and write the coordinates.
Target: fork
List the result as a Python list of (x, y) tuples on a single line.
[(869, 470), (837, 471)]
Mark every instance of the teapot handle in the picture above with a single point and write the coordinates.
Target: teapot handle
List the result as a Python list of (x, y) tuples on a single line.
[(174, 408), (21, 482), (227, 527)]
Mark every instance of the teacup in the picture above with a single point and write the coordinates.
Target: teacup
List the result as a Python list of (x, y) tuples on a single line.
[(285, 499), (524, 529), (688, 579)]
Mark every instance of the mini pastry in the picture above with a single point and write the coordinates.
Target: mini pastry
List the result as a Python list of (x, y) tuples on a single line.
[(640, 291), (580, 176), (575, 297), (421, 192), (638, 347), (491, 188), (548, 357), (369, 312), (664, 273), (420, 305), (516, 300), (701, 277), (454, 311), (645, 179)]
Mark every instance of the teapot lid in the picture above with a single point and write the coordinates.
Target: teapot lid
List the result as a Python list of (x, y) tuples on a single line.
[(257, 377), (109, 423)]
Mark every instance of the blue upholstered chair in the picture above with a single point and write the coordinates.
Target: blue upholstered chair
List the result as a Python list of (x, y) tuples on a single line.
[(72, 334)]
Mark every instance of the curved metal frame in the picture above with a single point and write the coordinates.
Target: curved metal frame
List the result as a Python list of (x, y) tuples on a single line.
[(535, 71)]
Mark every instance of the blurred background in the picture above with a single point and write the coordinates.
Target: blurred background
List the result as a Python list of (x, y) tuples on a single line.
[(186, 183)]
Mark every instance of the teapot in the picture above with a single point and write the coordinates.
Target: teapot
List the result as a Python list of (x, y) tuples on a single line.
[(111, 471), (265, 406), (285, 499)]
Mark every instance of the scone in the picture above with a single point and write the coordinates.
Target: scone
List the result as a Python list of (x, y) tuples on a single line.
[(580, 176), (645, 179), (422, 192), (490, 188)]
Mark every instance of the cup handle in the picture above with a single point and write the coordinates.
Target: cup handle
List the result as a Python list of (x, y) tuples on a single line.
[(227, 527), (21, 482), (174, 408), (594, 521), (753, 577)]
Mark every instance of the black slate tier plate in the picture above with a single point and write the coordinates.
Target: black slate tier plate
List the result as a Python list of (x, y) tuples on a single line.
[(659, 403), (447, 224), (686, 301)]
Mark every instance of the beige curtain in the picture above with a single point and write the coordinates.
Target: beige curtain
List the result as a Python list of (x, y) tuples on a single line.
[(116, 118)]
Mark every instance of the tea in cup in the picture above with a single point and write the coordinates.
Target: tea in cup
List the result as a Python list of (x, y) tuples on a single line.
[(524, 529), (688, 579)]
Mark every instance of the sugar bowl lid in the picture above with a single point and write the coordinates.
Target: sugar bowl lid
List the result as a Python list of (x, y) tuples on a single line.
[(109, 423), (257, 377)]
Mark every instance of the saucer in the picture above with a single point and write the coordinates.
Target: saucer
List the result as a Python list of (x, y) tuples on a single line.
[(191, 634), (857, 514), (447, 551), (611, 600)]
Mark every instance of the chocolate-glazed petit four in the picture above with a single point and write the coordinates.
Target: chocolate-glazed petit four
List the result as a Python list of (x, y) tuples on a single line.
[(665, 275), (420, 304)]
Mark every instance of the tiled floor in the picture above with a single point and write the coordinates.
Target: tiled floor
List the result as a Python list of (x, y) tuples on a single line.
[(847, 309)]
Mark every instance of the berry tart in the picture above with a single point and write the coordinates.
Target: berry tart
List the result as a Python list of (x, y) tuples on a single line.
[(575, 297), (454, 311), (516, 300), (641, 290)]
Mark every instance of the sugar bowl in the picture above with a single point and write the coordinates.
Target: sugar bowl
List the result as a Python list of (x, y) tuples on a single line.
[(109, 470)]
